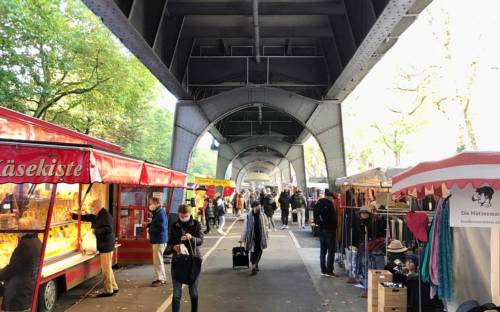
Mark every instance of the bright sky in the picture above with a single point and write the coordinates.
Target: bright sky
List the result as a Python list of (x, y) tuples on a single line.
[(474, 34)]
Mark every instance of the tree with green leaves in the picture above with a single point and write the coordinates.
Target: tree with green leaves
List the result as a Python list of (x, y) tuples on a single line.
[(58, 62)]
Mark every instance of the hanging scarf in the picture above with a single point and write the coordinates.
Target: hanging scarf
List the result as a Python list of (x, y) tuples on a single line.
[(445, 270), (434, 253), (424, 267)]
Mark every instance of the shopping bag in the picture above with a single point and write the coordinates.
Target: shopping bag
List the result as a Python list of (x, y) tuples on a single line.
[(187, 268)]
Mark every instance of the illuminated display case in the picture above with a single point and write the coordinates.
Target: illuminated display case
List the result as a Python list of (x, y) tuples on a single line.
[(30, 201)]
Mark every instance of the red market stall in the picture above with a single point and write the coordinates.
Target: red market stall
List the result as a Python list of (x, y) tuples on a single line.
[(40, 185), (156, 181), (467, 189), (47, 171)]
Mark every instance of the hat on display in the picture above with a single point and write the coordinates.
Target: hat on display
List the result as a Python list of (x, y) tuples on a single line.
[(396, 247), (418, 224)]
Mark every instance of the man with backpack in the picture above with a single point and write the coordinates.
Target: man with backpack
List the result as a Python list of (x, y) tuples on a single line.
[(325, 218), (269, 209)]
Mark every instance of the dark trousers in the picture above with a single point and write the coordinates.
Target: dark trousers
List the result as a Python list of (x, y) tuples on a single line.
[(177, 295), (327, 250), (210, 220), (284, 216), (255, 256)]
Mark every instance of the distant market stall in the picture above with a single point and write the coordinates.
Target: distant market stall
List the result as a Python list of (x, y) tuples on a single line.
[(466, 226)]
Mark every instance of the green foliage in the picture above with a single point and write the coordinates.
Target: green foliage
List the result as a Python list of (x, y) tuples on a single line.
[(58, 62), (203, 162), (314, 160)]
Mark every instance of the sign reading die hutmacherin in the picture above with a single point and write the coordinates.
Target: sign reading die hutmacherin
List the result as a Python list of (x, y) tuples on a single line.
[(43, 165), (475, 207)]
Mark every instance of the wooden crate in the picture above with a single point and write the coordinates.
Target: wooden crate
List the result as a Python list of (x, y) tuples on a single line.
[(372, 308), (376, 277), (394, 309), (391, 297)]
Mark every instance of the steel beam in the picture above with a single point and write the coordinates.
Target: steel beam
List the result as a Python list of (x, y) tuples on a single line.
[(119, 24), (176, 8), (373, 46), (265, 32)]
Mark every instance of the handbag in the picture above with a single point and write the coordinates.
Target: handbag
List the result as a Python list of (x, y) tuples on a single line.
[(187, 267)]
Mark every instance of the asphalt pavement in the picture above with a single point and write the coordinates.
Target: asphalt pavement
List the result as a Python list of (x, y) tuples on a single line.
[(289, 280)]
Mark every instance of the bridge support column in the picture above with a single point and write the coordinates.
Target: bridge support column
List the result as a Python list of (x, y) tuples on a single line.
[(285, 172), (296, 157), (326, 126), (190, 123), (225, 155)]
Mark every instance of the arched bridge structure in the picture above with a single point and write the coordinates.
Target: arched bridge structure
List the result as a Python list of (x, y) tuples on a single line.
[(259, 74)]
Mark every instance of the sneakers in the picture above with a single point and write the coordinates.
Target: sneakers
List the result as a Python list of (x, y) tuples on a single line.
[(333, 274), (221, 232), (283, 227), (274, 229), (116, 291), (158, 283)]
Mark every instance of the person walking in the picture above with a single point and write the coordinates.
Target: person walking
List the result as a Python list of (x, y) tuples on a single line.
[(102, 226), (299, 205), (269, 209), (221, 214), (209, 214), (326, 219), (255, 235), (240, 204), (158, 236), (185, 232), (284, 201)]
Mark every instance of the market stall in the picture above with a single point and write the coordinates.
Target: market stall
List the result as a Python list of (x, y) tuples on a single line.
[(46, 173), (156, 181), (42, 185), (466, 227), (366, 213)]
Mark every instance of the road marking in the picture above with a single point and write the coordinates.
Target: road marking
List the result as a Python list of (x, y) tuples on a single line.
[(294, 239), (164, 306)]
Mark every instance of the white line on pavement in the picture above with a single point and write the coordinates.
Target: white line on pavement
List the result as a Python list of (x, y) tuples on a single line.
[(168, 302), (294, 239)]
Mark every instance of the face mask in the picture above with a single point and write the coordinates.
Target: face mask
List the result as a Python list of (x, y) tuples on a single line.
[(185, 219)]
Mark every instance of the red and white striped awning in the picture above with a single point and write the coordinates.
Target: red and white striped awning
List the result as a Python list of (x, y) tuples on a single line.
[(475, 168)]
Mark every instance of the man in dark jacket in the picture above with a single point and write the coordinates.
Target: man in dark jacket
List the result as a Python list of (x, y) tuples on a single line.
[(284, 201), (326, 219), (20, 274), (102, 226), (158, 236), (269, 209), (184, 232)]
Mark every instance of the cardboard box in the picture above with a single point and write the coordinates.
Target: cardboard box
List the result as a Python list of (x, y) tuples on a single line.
[(391, 297)]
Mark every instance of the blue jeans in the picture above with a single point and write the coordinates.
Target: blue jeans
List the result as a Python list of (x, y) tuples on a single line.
[(193, 293), (327, 250)]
